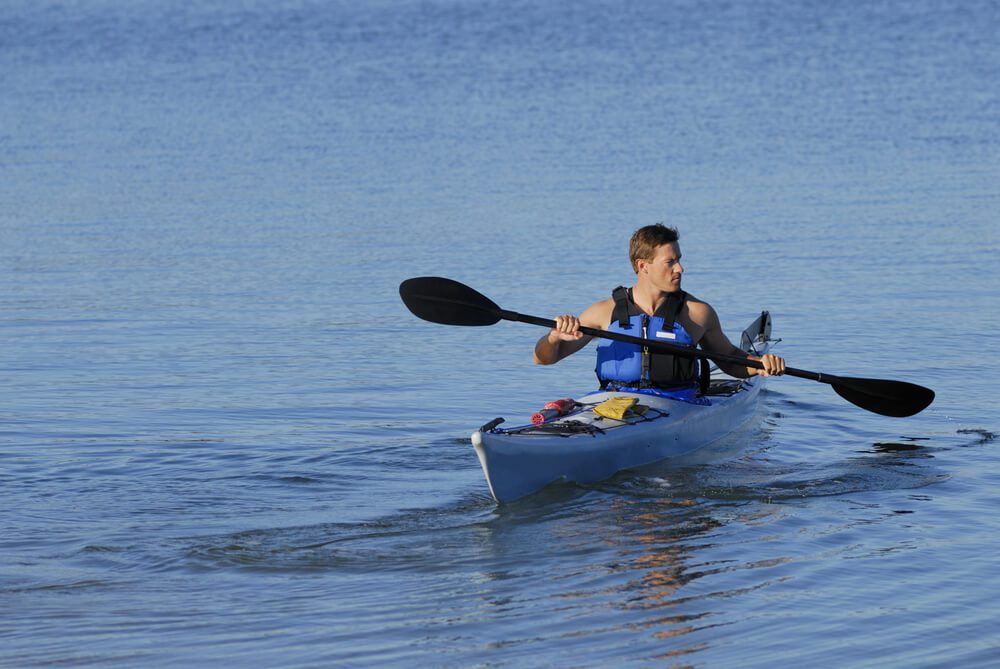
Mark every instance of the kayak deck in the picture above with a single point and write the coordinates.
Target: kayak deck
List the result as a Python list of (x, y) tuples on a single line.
[(582, 421)]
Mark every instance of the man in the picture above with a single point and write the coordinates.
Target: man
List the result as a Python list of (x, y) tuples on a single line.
[(654, 308)]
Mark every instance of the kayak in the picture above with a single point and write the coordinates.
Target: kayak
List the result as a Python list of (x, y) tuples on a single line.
[(592, 443), (587, 446)]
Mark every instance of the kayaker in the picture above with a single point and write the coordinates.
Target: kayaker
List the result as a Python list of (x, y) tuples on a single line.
[(654, 308)]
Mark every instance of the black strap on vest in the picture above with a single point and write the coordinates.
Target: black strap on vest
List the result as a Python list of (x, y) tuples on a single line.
[(670, 307), (625, 308), (622, 313)]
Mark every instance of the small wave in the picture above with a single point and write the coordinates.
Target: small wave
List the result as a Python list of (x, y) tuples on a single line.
[(59, 587), (400, 541), (903, 467), (983, 436)]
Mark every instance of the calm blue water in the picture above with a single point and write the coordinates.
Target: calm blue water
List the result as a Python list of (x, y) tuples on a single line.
[(223, 439)]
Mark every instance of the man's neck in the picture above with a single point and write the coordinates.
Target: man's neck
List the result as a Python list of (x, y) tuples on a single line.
[(648, 299)]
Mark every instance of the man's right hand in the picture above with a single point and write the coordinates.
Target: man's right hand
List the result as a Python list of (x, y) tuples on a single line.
[(567, 329), (566, 338)]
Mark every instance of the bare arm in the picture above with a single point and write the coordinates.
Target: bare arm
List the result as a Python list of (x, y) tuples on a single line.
[(566, 339), (715, 341)]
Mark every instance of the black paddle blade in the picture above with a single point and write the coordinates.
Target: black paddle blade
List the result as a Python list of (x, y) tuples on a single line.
[(448, 302), (888, 398)]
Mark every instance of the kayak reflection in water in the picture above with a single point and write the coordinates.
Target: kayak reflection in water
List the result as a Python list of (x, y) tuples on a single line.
[(654, 308)]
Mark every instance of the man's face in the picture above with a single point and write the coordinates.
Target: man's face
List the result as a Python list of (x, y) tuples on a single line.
[(664, 270)]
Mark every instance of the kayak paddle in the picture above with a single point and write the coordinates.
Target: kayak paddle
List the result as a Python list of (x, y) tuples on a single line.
[(448, 302)]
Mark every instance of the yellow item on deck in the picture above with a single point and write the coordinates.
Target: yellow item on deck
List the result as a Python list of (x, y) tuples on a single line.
[(618, 407)]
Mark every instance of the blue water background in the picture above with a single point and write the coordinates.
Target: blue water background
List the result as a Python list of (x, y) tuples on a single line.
[(223, 439)]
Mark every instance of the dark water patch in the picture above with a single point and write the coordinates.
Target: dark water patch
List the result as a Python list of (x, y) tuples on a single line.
[(68, 587), (298, 480), (101, 549), (905, 444), (891, 447), (983, 436)]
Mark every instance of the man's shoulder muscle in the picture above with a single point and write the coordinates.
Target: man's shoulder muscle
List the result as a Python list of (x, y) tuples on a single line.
[(598, 315), (699, 311), (701, 317)]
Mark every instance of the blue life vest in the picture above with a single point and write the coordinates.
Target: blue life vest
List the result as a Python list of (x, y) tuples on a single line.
[(624, 366)]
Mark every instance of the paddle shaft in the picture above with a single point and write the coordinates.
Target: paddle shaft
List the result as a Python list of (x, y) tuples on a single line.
[(666, 348)]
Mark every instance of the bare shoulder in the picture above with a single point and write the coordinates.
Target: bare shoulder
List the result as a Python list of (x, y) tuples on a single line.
[(598, 315), (700, 312)]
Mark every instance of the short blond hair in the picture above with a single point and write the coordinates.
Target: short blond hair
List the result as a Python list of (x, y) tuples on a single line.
[(646, 239)]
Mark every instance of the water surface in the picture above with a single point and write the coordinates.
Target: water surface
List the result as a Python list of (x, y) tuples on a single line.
[(223, 439)]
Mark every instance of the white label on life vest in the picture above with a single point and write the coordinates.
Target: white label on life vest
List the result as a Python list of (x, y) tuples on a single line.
[(666, 335)]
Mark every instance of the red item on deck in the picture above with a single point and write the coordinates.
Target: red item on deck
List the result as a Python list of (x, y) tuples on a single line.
[(553, 409)]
